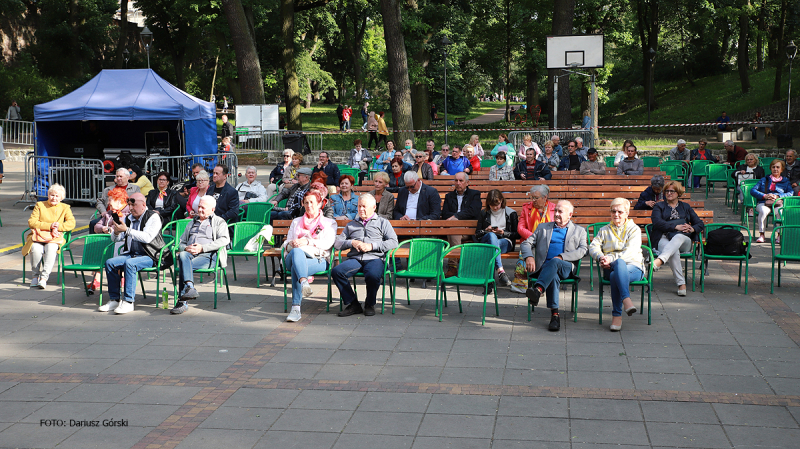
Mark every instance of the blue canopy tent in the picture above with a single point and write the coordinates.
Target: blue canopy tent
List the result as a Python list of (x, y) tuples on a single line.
[(114, 110)]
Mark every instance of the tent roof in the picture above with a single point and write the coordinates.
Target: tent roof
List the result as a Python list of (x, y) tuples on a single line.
[(135, 94)]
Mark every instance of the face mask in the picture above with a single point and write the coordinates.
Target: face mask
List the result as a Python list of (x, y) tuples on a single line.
[(408, 147)]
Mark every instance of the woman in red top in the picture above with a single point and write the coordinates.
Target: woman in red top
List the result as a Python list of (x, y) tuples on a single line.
[(475, 161), (539, 210)]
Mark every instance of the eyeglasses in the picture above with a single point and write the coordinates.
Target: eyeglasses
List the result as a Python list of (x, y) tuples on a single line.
[(131, 201), (286, 155), (419, 157), (670, 191)]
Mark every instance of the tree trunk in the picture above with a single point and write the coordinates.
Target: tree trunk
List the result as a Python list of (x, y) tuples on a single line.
[(743, 56), (354, 40), (247, 63), (76, 66), (399, 86), (760, 39), (648, 22), (780, 56), (563, 13), (420, 95), (508, 59), (290, 82), (531, 94), (123, 34)]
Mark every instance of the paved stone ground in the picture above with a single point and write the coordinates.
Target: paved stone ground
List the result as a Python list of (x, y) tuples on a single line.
[(714, 370)]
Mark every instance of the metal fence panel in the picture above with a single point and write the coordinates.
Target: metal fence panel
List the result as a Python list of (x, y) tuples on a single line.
[(18, 132), (83, 179), (260, 141), (542, 136), (180, 167)]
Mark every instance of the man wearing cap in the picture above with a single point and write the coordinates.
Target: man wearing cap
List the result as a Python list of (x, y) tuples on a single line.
[(141, 234), (679, 153), (293, 196), (592, 166)]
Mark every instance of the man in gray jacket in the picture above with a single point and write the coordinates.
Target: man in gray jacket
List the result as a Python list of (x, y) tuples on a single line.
[(369, 237), (551, 254), (203, 241), (630, 165)]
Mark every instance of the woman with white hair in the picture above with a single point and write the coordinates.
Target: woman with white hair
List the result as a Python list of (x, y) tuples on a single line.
[(198, 191), (279, 172), (475, 141), (48, 222), (539, 210), (251, 190), (617, 248)]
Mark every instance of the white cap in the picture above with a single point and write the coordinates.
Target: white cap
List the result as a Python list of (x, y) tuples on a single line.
[(681, 141)]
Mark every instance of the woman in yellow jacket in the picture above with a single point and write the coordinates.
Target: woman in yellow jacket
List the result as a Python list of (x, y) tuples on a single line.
[(48, 222), (383, 131)]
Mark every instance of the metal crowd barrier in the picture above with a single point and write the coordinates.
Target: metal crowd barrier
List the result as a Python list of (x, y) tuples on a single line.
[(259, 141), (180, 167), (18, 132), (542, 136), (83, 179)]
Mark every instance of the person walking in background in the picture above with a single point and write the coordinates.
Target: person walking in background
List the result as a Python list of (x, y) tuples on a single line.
[(339, 110), (13, 112), (372, 128), (224, 104), (365, 115), (383, 131), (346, 114)]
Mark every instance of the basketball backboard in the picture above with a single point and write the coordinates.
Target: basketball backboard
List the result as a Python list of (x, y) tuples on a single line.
[(581, 51)]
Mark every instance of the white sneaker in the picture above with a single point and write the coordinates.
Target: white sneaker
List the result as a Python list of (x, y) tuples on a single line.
[(111, 305), (306, 291), (682, 292), (124, 307), (34, 282), (294, 316), (42, 284)]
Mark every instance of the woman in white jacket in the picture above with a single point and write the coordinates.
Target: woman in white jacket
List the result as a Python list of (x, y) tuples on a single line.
[(308, 245), (251, 190)]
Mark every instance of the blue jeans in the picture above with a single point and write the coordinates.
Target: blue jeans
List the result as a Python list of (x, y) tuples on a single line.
[(373, 275), (301, 265), (280, 215), (131, 266), (550, 276), (621, 275), (346, 125), (187, 263), (696, 181), (504, 245)]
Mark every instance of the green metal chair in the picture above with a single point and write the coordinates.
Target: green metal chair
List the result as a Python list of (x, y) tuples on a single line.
[(647, 281), (777, 211), (475, 268), (609, 161), (350, 171), (257, 212), (424, 262), (215, 270), (591, 231), (97, 249), (748, 202), (789, 215), (676, 171), (765, 161), (67, 237), (243, 231), (685, 256), (574, 280), (730, 190), (649, 161), (745, 258), (327, 273), (359, 273), (158, 269), (789, 251), (697, 168), (715, 173), (488, 163)]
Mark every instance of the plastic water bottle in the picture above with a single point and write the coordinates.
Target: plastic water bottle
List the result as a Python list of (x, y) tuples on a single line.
[(165, 298)]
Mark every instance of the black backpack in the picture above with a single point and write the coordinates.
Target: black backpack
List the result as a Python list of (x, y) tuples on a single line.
[(725, 241)]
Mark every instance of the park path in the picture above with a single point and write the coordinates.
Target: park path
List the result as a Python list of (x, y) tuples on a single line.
[(489, 117)]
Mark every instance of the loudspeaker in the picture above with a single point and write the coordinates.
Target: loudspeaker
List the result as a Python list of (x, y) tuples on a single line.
[(784, 141)]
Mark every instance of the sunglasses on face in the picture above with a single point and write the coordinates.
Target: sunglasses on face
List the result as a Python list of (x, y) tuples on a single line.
[(670, 191), (131, 201)]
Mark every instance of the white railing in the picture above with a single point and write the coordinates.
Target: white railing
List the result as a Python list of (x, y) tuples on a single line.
[(18, 132), (258, 141), (542, 136)]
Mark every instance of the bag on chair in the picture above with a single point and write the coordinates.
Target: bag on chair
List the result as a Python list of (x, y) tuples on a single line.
[(725, 241)]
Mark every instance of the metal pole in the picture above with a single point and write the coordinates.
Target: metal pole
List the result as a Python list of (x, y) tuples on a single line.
[(593, 113), (555, 102), (445, 98), (789, 100), (649, 92)]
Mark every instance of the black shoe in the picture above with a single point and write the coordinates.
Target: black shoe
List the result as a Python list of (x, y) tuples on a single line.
[(533, 295), (555, 323), (188, 293), (369, 310), (352, 309), (489, 289), (504, 280)]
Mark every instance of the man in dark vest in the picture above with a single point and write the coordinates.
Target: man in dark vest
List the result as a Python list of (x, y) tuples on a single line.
[(141, 234)]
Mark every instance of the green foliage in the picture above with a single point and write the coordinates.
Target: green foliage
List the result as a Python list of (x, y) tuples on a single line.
[(25, 84)]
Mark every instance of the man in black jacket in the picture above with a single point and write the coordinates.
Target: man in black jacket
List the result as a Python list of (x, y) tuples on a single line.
[(227, 128), (416, 201), (227, 197), (325, 165), (531, 169), (462, 203)]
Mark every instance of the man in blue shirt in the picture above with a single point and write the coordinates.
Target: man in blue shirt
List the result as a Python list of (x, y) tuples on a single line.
[(724, 122), (551, 254), (557, 149), (456, 163)]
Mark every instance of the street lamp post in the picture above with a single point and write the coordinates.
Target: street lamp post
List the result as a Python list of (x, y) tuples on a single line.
[(791, 52), (446, 43), (147, 40), (650, 90)]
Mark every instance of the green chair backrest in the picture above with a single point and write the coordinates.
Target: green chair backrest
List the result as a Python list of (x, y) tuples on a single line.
[(647, 228), (477, 260), (243, 231), (426, 254), (790, 240), (609, 161), (176, 229), (739, 164), (699, 166), (95, 247), (716, 172), (765, 161), (651, 161), (342, 167), (488, 163), (283, 202), (258, 212), (748, 200), (790, 216), (791, 201), (675, 172), (592, 229), (670, 162)]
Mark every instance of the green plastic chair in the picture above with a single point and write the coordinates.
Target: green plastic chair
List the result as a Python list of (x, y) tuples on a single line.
[(715, 173), (67, 237), (609, 161), (475, 268), (745, 258), (698, 168), (215, 270), (425, 258), (158, 269), (359, 273), (789, 215), (789, 251), (243, 231), (488, 163), (647, 281), (778, 211), (574, 280), (350, 171), (257, 212), (685, 256), (765, 161), (175, 229), (283, 202), (591, 231), (676, 170), (730, 190), (327, 273), (650, 161), (97, 249), (748, 202)]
